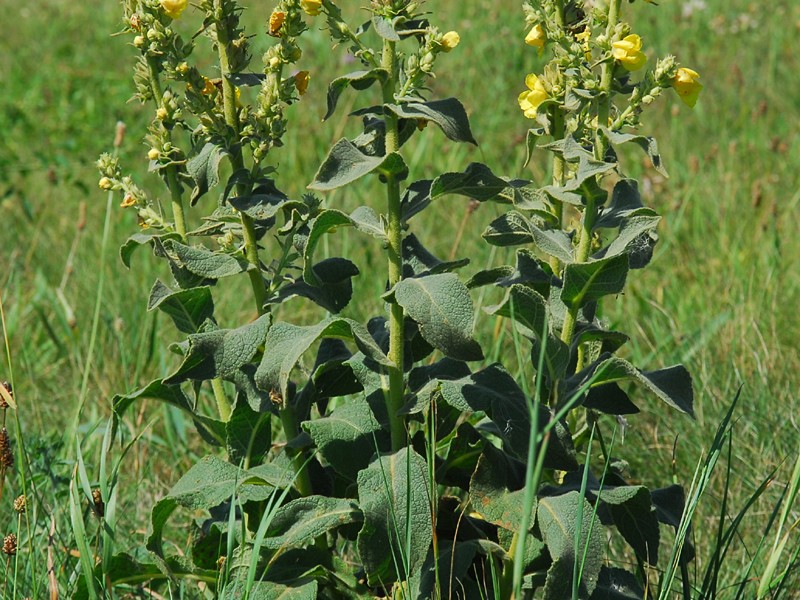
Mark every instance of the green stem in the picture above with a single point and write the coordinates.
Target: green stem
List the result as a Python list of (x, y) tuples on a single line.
[(237, 162), (224, 406), (394, 232), (175, 188), (590, 211), (291, 430)]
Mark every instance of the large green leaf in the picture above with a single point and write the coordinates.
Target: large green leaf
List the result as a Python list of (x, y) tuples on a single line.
[(188, 309), (248, 434), (286, 343), (510, 229), (303, 589), (558, 522), (448, 114), (347, 438), (359, 80), (305, 519), (205, 263), (646, 143), (494, 491), (477, 182), (211, 430), (419, 262), (441, 305), (394, 495), (333, 287), (524, 306), (221, 352), (588, 282), (325, 222), (140, 239), (632, 511), (672, 385), (207, 484), (617, 584), (345, 163), (203, 168)]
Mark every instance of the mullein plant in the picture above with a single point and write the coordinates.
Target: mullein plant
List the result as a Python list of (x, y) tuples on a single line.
[(387, 458)]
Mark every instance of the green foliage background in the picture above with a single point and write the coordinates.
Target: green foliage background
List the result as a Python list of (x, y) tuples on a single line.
[(720, 296)]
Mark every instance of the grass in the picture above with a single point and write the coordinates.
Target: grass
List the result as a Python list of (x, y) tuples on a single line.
[(720, 295)]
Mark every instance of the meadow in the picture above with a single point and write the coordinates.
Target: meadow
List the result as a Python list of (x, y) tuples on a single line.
[(720, 295)]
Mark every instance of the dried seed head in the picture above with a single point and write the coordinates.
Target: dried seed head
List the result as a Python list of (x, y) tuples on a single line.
[(7, 386), (10, 544), (21, 504), (6, 454), (99, 505)]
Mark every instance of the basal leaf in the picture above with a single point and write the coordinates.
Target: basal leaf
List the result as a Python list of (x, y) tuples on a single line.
[(448, 114), (394, 496), (441, 305), (495, 493), (617, 584), (588, 282), (634, 515), (305, 519), (557, 518), (188, 309)]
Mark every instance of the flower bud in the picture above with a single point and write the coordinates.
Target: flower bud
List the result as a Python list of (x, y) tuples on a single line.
[(153, 154), (182, 68), (311, 7), (138, 41), (162, 114), (450, 40), (105, 183)]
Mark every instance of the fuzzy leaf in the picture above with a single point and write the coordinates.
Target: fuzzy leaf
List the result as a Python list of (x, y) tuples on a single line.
[(587, 282), (359, 80), (419, 262), (188, 309), (634, 515), (441, 305), (286, 343), (491, 493), (205, 263), (347, 437), (557, 518), (140, 239), (646, 143), (385, 28), (617, 584), (672, 385), (625, 203), (477, 182), (305, 519), (365, 220), (301, 589), (203, 168), (221, 352), (510, 229), (394, 496), (247, 434), (207, 484), (325, 222), (448, 114), (345, 163), (525, 307)]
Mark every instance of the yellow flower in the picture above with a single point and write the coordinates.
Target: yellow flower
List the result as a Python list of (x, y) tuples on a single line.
[(301, 79), (628, 52), (311, 7), (276, 19), (536, 37), (450, 40), (174, 8), (686, 84), (208, 87), (583, 37), (153, 154), (530, 99), (127, 201)]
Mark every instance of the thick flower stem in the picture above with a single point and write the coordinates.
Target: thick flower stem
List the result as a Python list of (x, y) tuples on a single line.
[(175, 189), (237, 162), (394, 232)]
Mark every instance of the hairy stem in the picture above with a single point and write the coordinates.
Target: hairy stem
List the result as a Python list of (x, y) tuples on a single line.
[(237, 162), (175, 188), (394, 232)]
